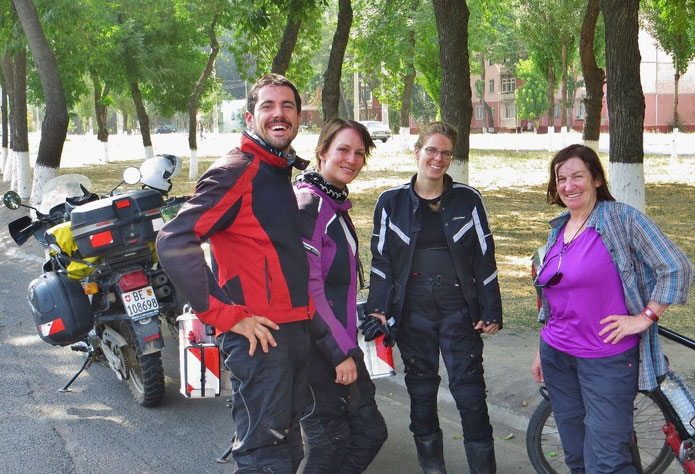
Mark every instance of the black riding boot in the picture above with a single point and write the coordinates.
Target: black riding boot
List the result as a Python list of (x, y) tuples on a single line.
[(481, 457), (430, 453)]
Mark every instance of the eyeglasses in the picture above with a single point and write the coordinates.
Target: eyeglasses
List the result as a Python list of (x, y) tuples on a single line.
[(557, 276), (433, 152)]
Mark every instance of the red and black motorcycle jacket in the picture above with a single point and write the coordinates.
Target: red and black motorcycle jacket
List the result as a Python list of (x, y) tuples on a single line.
[(244, 206)]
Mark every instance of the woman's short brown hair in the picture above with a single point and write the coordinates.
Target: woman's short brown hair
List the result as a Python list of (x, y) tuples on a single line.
[(331, 128), (592, 162), (434, 128)]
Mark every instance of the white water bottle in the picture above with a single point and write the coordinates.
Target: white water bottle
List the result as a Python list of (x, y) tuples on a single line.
[(681, 399)]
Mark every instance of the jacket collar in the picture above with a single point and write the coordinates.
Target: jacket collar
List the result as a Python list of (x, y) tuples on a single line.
[(252, 143), (596, 219), (448, 186), (313, 184)]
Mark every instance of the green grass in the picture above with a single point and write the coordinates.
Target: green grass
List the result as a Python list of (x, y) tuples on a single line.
[(513, 186)]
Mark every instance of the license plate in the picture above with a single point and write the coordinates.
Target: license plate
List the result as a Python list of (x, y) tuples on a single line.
[(141, 303)]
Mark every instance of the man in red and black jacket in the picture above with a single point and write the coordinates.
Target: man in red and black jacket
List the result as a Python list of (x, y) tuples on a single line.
[(256, 292)]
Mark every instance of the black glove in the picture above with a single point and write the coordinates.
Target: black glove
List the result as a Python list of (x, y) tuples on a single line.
[(372, 328), (390, 333)]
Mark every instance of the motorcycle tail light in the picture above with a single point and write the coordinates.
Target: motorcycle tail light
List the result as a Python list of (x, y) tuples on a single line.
[(133, 280), (90, 288), (100, 239)]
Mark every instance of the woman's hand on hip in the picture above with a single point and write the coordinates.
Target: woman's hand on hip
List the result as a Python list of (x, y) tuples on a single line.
[(346, 372), (617, 327)]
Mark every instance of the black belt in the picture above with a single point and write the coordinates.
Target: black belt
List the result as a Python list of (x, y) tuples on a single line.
[(436, 279)]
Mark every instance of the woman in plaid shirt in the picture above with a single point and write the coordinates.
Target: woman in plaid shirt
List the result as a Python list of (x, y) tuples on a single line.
[(608, 275)]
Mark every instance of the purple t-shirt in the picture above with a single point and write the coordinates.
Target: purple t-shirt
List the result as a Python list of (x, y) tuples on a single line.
[(590, 289)]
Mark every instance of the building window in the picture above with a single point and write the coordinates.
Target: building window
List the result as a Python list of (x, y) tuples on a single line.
[(479, 112), (581, 110), (508, 84), (491, 86), (556, 110), (509, 111)]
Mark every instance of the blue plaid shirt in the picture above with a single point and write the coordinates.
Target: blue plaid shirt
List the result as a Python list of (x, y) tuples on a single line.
[(651, 267)]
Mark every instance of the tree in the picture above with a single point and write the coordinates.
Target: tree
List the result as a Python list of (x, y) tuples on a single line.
[(625, 101), (281, 61), (384, 41), (531, 100), (668, 22), (14, 68), (493, 36), (426, 60), (594, 76), (5, 128), (330, 96), (198, 90), (255, 31), (452, 26), (553, 46)]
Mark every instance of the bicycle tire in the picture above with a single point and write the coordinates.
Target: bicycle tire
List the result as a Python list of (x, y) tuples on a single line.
[(547, 456)]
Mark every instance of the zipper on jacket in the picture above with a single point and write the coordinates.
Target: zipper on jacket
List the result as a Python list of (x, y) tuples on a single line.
[(267, 280)]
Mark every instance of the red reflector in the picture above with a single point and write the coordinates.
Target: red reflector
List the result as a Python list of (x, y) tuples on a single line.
[(132, 281), (151, 338), (101, 239), (123, 203)]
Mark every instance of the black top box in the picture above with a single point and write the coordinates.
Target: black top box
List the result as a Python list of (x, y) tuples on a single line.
[(111, 224)]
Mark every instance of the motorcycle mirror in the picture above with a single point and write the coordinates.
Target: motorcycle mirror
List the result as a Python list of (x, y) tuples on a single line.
[(12, 200), (131, 175)]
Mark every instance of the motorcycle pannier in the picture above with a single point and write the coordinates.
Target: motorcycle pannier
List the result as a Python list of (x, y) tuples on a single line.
[(61, 309), (111, 224)]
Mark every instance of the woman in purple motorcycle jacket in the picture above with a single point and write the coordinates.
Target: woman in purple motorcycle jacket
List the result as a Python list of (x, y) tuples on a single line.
[(344, 429)]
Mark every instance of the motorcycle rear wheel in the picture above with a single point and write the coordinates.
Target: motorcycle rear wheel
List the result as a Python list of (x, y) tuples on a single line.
[(145, 374)]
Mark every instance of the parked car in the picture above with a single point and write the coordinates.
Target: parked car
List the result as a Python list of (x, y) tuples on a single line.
[(165, 129), (377, 130)]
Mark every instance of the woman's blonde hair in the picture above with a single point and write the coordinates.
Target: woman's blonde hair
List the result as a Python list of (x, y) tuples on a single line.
[(434, 128)]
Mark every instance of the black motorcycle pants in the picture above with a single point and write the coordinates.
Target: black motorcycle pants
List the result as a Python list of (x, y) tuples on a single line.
[(269, 393), (436, 318), (344, 430)]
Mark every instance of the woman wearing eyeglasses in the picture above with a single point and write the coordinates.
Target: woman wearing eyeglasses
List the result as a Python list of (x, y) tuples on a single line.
[(608, 275), (434, 282)]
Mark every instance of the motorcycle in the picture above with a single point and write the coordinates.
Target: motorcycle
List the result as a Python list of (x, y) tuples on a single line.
[(102, 291)]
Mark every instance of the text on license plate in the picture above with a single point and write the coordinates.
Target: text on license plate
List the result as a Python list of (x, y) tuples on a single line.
[(140, 304)]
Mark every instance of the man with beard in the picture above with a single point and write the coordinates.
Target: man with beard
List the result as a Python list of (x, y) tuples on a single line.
[(256, 292)]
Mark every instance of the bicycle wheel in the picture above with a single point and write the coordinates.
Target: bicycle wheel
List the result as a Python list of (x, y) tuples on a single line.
[(547, 456)]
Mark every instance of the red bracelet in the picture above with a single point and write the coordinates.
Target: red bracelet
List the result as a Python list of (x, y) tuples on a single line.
[(650, 314)]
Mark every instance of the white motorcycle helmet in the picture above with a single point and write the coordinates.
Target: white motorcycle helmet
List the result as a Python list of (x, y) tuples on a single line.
[(157, 171)]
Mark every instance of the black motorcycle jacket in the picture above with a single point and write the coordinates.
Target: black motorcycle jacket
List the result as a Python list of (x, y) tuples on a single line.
[(470, 242)]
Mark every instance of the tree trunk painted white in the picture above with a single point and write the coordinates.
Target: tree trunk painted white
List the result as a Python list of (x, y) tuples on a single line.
[(215, 119), (551, 132), (5, 155), (42, 174), (593, 144), (193, 169), (119, 122), (149, 152), (105, 157), (23, 175), (9, 168), (459, 171), (627, 183), (564, 137), (674, 144)]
